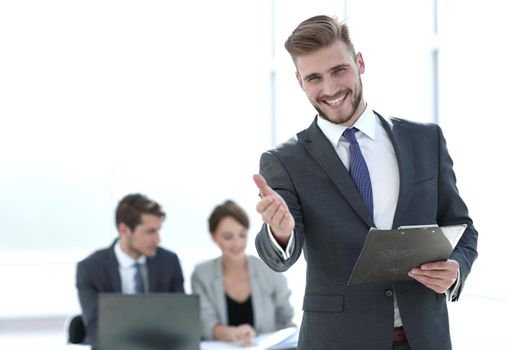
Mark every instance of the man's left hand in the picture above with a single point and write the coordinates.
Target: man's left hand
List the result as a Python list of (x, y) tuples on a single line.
[(439, 276)]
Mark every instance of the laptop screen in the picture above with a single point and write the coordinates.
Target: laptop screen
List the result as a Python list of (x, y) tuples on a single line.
[(157, 321)]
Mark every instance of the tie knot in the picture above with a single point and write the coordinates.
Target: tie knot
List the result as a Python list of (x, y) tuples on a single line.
[(350, 135)]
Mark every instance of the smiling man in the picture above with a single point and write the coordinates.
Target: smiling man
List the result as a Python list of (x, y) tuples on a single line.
[(331, 80), (351, 170), (134, 263)]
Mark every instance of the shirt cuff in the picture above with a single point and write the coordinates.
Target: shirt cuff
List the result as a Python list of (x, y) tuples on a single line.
[(285, 254), (450, 293)]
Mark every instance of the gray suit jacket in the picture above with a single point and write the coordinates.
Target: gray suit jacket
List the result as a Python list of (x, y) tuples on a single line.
[(332, 223), (270, 296), (99, 273)]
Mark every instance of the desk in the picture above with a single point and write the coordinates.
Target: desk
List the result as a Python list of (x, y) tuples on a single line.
[(284, 339)]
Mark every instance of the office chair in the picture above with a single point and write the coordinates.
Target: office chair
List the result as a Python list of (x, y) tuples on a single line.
[(76, 330)]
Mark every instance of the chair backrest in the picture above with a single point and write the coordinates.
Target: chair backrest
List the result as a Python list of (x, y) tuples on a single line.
[(76, 330)]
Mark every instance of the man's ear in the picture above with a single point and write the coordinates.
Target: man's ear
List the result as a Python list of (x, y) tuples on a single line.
[(123, 229), (360, 62)]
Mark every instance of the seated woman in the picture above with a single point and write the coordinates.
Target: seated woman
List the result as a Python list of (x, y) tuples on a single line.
[(239, 294)]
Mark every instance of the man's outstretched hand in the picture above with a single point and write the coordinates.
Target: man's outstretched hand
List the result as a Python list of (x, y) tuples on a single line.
[(274, 211)]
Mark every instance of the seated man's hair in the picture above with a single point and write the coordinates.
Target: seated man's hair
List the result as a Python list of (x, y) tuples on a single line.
[(131, 207)]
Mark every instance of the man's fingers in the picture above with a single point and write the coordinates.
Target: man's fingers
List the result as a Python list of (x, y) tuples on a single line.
[(263, 205), (435, 279), (262, 185), (271, 209), (438, 286), (279, 215), (441, 265)]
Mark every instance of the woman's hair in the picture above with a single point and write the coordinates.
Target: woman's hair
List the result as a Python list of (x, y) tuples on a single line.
[(224, 210)]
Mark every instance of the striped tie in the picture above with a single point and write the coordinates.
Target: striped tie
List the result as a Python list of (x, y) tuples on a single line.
[(359, 170), (138, 279)]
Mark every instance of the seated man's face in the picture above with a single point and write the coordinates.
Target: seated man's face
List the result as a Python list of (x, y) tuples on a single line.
[(144, 239)]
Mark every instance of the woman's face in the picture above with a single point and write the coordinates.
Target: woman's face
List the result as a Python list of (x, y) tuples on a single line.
[(231, 237)]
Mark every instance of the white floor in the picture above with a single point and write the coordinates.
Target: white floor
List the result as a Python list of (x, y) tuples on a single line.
[(476, 323)]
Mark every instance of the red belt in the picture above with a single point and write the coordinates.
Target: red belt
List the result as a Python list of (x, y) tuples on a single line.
[(399, 334)]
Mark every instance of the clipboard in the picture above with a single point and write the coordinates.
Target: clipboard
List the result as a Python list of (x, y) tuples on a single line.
[(388, 255)]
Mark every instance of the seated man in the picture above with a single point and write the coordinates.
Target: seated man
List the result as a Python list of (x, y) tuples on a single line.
[(134, 263)]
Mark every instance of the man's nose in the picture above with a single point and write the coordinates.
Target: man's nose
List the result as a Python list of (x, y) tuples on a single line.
[(329, 87)]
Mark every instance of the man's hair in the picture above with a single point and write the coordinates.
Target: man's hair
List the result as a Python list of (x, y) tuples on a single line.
[(132, 206), (316, 33), (227, 209)]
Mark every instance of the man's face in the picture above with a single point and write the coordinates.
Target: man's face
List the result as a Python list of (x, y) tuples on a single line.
[(331, 79), (144, 239)]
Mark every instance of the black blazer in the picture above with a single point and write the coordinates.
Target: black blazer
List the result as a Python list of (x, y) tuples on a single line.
[(332, 223), (99, 273)]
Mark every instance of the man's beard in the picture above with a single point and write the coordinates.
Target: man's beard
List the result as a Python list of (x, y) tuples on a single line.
[(355, 106)]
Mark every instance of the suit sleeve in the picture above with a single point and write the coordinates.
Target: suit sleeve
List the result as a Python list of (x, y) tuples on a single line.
[(177, 278), (278, 178), (88, 295), (452, 211), (209, 317)]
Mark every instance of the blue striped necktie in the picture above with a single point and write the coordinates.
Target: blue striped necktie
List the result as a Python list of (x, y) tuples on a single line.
[(138, 279), (358, 170)]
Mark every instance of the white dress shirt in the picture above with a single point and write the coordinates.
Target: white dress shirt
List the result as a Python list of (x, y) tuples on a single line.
[(127, 268), (378, 152)]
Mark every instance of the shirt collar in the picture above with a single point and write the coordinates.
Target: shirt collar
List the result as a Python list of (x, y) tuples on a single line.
[(366, 123), (124, 260)]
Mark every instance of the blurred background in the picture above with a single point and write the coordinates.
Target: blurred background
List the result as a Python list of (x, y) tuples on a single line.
[(178, 99)]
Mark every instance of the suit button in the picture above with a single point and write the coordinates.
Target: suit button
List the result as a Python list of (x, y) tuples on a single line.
[(388, 293)]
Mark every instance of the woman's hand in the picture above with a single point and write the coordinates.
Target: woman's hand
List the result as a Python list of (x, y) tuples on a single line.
[(243, 334)]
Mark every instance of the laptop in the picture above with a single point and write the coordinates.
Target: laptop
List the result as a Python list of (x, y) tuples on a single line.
[(152, 321)]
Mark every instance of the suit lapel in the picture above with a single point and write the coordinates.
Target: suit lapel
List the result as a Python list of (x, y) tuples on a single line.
[(218, 289), (152, 270), (320, 149), (113, 270), (404, 155)]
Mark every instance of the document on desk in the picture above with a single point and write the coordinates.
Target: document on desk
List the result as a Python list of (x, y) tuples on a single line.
[(283, 339), (388, 255)]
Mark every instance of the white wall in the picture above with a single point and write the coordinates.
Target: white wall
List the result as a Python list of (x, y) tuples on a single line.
[(103, 98), (473, 75)]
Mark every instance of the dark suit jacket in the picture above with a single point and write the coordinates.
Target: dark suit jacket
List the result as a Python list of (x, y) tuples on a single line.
[(99, 273), (332, 223)]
